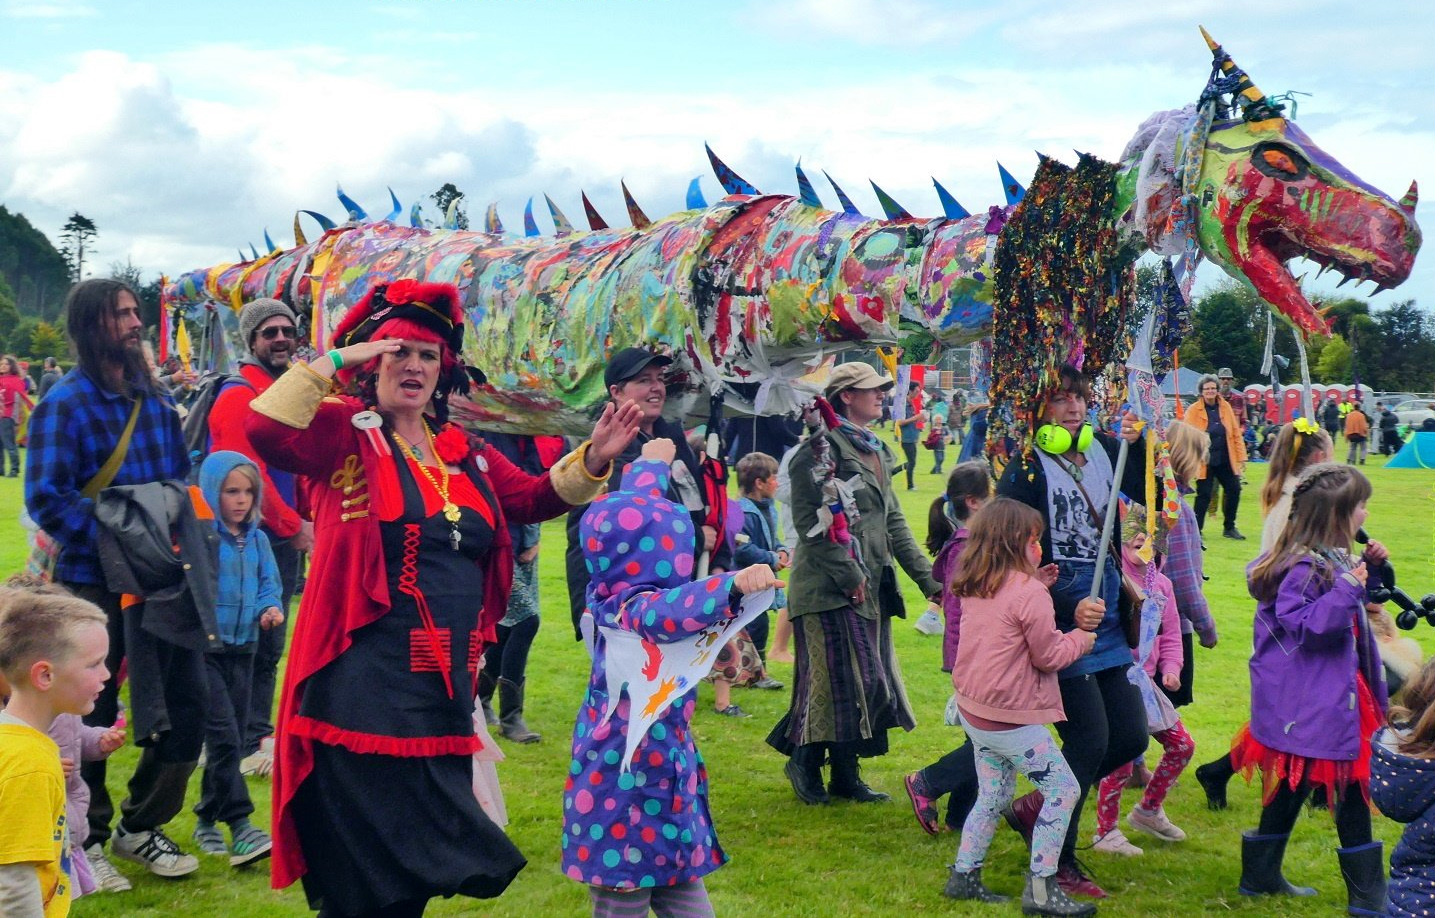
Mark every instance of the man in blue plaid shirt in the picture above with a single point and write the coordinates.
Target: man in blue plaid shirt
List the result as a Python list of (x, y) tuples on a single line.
[(74, 432)]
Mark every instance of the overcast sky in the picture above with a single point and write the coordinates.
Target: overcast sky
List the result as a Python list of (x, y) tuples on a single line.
[(184, 129)]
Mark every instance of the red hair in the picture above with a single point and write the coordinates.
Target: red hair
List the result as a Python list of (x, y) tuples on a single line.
[(407, 330)]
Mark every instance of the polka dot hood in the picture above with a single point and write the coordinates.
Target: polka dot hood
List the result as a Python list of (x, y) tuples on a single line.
[(635, 539), (635, 802)]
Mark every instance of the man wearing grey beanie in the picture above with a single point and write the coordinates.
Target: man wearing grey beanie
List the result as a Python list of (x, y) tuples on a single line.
[(269, 330)]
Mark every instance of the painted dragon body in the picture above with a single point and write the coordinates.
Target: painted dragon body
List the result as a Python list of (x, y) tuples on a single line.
[(754, 288)]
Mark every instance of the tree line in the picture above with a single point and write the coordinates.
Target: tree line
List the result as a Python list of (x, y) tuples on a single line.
[(1388, 348)]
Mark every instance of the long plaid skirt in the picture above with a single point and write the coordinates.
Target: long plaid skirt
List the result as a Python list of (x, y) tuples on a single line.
[(848, 687)]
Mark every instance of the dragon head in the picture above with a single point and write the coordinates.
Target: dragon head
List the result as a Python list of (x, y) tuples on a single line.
[(1268, 194)]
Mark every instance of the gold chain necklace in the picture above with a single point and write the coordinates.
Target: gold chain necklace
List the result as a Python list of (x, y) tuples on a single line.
[(450, 509)]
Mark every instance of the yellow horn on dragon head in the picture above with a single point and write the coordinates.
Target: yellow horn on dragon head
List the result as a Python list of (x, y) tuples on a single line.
[(1254, 104)]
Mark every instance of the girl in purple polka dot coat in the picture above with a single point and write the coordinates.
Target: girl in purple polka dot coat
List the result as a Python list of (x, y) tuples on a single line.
[(643, 834)]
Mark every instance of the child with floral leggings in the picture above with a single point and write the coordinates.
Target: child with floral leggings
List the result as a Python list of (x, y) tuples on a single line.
[(1005, 678)]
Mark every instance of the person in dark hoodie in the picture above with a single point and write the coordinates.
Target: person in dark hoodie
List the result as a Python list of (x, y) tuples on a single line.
[(269, 331), (247, 604), (1402, 785), (636, 374)]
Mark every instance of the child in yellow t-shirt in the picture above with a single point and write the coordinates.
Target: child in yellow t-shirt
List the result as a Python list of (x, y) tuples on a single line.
[(52, 655)]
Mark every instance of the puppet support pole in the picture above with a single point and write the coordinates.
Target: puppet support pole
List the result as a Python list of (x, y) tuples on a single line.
[(1108, 525)]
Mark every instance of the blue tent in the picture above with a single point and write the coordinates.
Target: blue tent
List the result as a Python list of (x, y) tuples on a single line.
[(1417, 453), (1188, 379)]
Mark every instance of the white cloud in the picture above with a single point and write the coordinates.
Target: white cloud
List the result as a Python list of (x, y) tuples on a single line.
[(185, 157)]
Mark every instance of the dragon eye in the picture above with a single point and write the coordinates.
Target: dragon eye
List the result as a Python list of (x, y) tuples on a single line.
[(1279, 161)]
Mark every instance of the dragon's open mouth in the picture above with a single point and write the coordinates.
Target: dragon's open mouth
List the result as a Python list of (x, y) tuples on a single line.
[(1266, 263)]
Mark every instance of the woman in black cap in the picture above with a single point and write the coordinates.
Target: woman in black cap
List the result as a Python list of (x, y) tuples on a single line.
[(637, 375)]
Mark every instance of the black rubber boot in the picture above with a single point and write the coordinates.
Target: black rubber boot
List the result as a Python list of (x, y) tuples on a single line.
[(1363, 869), (1261, 857), (804, 770), (1043, 896), (847, 778), (1213, 778), (969, 886), (486, 687), (510, 716)]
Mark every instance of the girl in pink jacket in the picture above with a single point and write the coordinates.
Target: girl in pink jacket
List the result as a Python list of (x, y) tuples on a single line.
[(1160, 653), (1007, 695)]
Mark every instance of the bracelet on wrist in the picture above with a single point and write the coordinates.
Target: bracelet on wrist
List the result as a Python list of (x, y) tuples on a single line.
[(337, 359)]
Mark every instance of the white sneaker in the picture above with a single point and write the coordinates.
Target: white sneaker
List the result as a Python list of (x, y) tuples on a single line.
[(1115, 842), (107, 878), (155, 851), (257, 765), (1154, 823)]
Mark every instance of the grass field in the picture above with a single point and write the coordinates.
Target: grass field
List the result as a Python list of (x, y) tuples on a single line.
[(790, 859)]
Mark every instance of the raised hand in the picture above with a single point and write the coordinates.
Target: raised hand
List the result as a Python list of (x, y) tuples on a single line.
[(356, 355), (615, 429)]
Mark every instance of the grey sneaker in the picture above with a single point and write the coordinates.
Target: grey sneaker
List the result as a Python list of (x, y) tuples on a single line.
[(107, 878), (731, 710), (155, 851)]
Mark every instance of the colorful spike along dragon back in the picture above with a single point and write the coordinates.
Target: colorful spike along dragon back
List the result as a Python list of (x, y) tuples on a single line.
[(750, 293)]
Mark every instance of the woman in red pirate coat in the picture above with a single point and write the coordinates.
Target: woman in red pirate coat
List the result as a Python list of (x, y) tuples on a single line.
[(373, 794)]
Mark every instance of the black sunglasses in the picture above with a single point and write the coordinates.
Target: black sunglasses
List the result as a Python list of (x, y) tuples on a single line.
[(274, 331)]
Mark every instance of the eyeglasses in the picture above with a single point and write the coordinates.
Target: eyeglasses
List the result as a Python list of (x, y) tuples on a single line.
[(274, 331)]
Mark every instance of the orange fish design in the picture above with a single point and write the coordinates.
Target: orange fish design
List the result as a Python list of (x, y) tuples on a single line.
[(659, 697)]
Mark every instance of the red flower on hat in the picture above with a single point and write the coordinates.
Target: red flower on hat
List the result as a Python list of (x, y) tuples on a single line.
[(452, 444)]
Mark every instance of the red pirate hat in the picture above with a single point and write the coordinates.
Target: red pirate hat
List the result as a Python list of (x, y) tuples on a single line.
[(435, 307)]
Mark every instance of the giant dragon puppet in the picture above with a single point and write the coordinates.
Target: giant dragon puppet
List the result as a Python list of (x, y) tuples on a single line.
[(755, 289)]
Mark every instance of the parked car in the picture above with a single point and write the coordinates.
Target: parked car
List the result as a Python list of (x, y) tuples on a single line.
[(1415, 411)]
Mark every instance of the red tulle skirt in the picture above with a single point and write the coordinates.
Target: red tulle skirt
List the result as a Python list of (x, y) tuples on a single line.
[(1249, 754)]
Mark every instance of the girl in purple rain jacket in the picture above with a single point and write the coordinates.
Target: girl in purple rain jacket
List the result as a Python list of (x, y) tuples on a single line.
[(1317, 687), (644, 833)]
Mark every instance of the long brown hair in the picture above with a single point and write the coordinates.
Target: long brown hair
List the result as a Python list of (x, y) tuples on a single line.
[(1321, 510), (1000, 532), (1291, 452), (89, 324), (1414, 717)]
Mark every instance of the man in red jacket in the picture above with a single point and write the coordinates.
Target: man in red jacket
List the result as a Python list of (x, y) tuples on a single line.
[(269, 331)]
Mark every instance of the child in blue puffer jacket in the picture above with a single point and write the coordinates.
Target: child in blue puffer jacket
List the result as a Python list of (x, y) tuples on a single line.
[(1402, 784), (248, 599)]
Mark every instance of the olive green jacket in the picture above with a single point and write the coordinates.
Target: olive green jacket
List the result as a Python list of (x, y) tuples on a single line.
[(824, 575)]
